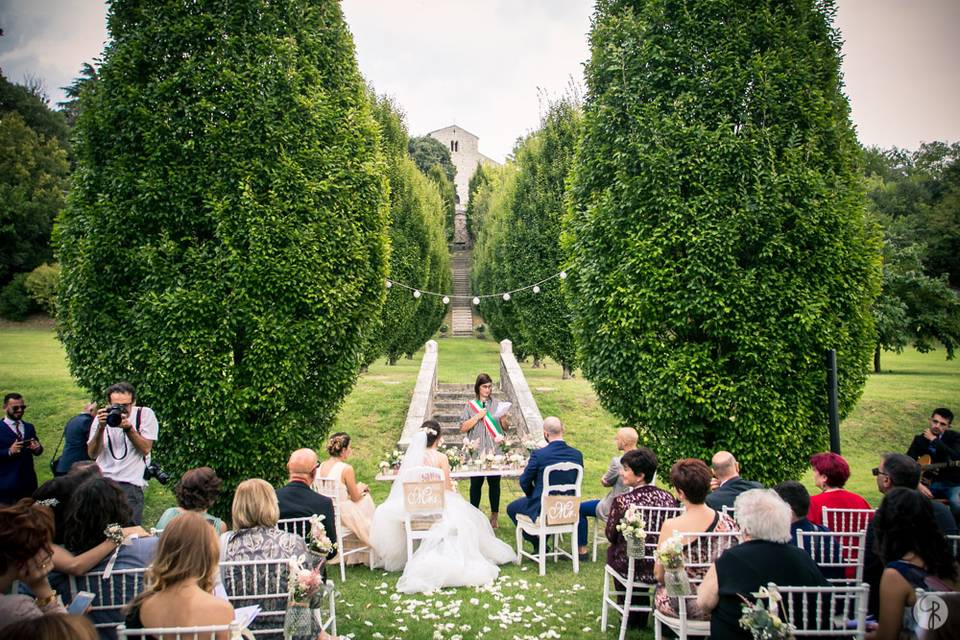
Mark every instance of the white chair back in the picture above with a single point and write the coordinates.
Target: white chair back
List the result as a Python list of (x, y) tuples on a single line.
[(215, 632), (299, 527), (838, 551), (701, 549), (111, 595), (330, 487), (653, 519), (550, 508), (259, 582), (847, 520), (834, 612), (727, 510)]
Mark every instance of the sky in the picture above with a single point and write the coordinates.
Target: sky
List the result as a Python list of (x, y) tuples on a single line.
[(487, 65)]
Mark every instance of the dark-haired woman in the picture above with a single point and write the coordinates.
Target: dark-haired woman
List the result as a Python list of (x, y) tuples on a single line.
[(197, 490), (916, 555), (461, 549), (478, 420), (356, 505)]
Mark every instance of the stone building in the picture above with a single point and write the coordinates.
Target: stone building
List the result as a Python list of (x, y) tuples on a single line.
[(465, 154)]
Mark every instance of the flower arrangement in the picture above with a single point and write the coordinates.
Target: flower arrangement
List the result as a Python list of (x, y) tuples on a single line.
[(453, 456), (114, 533), (676, 582), (764, 622), (634, 531), (531, 443), (317, 540), (517, 459), (391, 460), (305, 586)]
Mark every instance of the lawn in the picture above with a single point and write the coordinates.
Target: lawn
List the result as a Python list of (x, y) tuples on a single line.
[(895, 406)]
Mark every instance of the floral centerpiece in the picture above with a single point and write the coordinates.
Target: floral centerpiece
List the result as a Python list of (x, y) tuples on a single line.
[(468, 450), (453, 456), (670, 555), (530, 443), (391, 461), (305, 587), (764, 622), (517, 459), (634, 531)]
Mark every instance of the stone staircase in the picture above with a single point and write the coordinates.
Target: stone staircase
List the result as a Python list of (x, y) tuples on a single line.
[(448, 402), (462, 306)]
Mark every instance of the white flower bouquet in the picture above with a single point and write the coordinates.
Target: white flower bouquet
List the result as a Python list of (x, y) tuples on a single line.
[(764, 622), (317, 540), (670, 555), (634, 531)]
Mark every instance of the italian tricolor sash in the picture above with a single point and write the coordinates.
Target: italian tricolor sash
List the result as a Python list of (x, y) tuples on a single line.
[(493, 427)]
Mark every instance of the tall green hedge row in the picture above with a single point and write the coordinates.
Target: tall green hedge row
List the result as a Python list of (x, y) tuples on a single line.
[(716, 233), (225, 243)]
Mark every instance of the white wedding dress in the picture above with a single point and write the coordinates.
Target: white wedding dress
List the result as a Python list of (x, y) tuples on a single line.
[(460, 550)]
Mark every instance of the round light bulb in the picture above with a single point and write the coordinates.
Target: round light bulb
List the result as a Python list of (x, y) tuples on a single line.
[(563, 275), (446, 300), (476, 300), (536, 288), (416, 293), (506, 297)]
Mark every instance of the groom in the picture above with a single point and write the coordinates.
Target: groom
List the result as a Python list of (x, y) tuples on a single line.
[(531, 480)]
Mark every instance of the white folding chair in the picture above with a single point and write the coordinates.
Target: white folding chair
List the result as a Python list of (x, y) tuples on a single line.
[(699, 552), (838, 551), (259, 582), (212, 632), (423, 499), (727, 510), (830, 612), (847, 520), (653, 518), (330, 487), (556, 518), (599, 536), (111, 594), (299, 527)]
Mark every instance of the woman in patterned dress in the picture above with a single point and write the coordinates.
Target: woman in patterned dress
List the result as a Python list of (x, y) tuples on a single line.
[(472, 423)]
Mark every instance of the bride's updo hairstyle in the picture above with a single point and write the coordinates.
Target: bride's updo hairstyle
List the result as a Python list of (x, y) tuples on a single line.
[(432, 427), (338, 443)]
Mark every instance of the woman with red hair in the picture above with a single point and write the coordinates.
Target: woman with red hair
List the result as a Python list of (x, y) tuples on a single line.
[(830, 473)]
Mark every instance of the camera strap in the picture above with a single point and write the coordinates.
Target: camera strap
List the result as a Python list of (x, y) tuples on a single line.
[(136, 425)]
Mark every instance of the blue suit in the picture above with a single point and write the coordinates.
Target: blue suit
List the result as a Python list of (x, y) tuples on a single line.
[(17, 476), (531, 480), (74, 442)]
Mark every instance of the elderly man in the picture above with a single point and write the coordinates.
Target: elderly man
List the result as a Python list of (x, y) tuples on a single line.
[(298, 499), (532, 481), (729, 484), (626, 440)]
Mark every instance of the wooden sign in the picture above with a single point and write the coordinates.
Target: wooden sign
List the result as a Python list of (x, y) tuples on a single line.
[(423, 497), (562, 509)]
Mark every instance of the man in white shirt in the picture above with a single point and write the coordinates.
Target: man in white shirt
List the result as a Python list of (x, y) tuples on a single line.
[(120, 443)]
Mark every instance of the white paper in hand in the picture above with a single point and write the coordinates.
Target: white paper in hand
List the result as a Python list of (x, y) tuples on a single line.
[(502, 409), (246, 615)]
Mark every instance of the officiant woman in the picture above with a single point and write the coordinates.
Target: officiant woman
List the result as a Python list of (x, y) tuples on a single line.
[(477, 421)]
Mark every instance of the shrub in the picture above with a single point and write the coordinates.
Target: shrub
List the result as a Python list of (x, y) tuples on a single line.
[(15, 302), (718, 247), (41, 284), (224, 248)]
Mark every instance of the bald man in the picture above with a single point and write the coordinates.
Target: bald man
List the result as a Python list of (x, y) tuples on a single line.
[(298, 499), (728, 483), (625, 440), (531, 480)]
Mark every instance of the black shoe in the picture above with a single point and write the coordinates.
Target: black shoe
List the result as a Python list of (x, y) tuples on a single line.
[(585, 557)]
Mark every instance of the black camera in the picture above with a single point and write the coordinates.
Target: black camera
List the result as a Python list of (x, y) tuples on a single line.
[(153, 470), (115, 413)]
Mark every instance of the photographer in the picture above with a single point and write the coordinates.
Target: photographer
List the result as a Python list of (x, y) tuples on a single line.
[(120, 441)]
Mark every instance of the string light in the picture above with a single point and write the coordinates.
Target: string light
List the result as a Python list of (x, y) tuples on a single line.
[(476, 299)]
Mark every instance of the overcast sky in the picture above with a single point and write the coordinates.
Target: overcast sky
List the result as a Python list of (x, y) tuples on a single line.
[(483, 64)]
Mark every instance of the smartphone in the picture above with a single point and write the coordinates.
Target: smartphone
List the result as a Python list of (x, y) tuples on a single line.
[(80, 603)]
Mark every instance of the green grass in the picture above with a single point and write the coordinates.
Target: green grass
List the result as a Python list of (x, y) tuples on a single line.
[(894, 407)]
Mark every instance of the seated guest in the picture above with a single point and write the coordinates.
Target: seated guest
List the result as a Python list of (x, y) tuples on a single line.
[(764, 556), (179, 583), (255, 514), (626, 440), (728, 484), (691, 480), (57, 494), (56, 626), (298, 500), (941, 444), (830, 473), (916, 557), (75, 439), (96, 504), (356, 505), (26, 535), (197, 490), (638, 466), (896, 470), (797, 498)]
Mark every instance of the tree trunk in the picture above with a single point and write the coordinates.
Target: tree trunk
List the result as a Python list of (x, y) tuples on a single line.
[(876, 359), (537, 363), (391, 360), (409, 356), (567, 373), (363, 368)]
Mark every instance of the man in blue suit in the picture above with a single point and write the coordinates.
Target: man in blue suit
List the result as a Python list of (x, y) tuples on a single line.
[(531, 480), (18, 446)]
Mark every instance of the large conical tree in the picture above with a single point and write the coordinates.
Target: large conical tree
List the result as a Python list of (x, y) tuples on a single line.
[(717, 233), (224, 247)]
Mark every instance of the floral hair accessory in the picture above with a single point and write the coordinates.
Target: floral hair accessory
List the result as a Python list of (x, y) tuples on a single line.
[(49, 502)]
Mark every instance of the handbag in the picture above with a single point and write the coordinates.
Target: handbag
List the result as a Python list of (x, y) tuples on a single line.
[(55, 459)]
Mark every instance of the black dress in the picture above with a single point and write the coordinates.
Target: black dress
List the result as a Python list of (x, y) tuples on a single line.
[(743, 569)]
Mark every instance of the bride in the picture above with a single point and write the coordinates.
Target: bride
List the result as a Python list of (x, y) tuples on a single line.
[(460, 550)]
